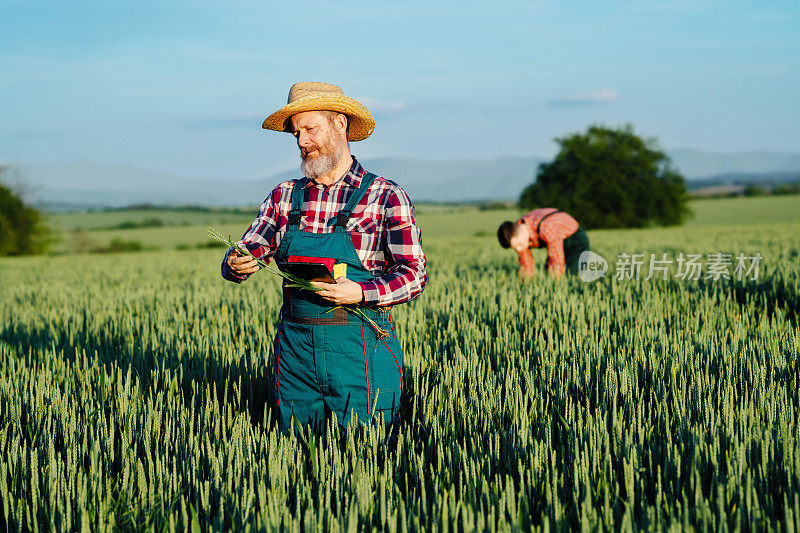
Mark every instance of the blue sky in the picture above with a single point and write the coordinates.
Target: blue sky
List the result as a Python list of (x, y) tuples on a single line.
[(182, 86)]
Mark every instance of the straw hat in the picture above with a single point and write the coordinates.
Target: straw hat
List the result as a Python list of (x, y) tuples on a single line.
[(316, 96)]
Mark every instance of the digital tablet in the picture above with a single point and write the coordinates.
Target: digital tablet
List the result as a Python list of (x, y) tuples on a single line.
[(308, 271)]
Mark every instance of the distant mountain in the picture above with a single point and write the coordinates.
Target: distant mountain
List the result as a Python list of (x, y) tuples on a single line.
[(458, 180), (86, 184), (699, 164)]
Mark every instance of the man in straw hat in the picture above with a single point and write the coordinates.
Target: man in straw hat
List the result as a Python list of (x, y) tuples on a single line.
[(336, 350)]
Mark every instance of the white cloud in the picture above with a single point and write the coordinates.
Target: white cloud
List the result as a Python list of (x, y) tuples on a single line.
[(594, 97)]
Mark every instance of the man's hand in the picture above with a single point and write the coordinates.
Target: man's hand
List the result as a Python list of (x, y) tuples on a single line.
[(242, 265), (526, 271), (343, 292)]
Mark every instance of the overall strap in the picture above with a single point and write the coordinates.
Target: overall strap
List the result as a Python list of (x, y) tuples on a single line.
[(542, 220), (297, 201), (358, 194)]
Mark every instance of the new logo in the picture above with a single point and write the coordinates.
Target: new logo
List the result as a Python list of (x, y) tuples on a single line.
[(591, 266)]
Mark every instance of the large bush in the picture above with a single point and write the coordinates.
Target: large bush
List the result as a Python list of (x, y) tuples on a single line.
[(610, 178), (21, 229)]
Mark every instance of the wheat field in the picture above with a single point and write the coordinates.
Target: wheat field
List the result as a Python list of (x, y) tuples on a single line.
[(135, 392)]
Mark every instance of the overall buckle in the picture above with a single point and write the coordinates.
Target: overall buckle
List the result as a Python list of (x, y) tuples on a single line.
[(341, 219)]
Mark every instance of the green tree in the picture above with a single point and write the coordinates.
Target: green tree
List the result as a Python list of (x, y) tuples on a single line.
[(21, 228), (610, 178), (753, 190)]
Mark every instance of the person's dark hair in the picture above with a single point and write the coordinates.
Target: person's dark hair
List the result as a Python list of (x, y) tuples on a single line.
[(505, 232)]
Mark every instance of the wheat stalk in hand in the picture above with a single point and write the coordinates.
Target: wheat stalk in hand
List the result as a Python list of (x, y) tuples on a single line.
[(294, 282)]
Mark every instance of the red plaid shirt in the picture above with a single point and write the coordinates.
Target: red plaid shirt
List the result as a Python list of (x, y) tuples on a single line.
[(552, 232), (382, 226)]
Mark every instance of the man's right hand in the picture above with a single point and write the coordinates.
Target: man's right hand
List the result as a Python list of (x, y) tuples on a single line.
[(525, 272), (242, 265)]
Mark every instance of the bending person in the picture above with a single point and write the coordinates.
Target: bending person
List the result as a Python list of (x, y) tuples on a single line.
[(564, 238)]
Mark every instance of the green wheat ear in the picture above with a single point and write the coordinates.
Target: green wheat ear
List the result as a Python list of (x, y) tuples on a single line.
[(294, 281)]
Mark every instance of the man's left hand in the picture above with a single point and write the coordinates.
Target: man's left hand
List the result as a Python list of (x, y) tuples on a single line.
[(343, 292)]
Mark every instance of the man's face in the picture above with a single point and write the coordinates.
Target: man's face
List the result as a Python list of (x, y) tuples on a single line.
[(320, 140), (312, 130), (520, 241)]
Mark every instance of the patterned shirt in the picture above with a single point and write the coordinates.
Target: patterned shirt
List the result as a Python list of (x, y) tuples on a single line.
[(552, 232), (382, 226)]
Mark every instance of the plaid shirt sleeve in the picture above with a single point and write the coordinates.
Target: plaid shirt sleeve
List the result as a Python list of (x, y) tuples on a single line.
[(526, 263), (260, 237), (405, 277)]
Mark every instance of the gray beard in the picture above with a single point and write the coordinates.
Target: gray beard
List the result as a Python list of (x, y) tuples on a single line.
[(322, 164)]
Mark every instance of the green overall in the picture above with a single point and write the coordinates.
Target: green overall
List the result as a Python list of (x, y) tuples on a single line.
[(332, 361)]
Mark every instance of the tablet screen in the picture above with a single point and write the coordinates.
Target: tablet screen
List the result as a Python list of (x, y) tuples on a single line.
[(308, 271)]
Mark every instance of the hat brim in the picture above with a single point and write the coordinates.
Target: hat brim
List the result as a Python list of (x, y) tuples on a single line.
[(361, 124)]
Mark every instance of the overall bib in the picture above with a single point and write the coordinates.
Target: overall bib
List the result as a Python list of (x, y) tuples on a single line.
[(332, 361)]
